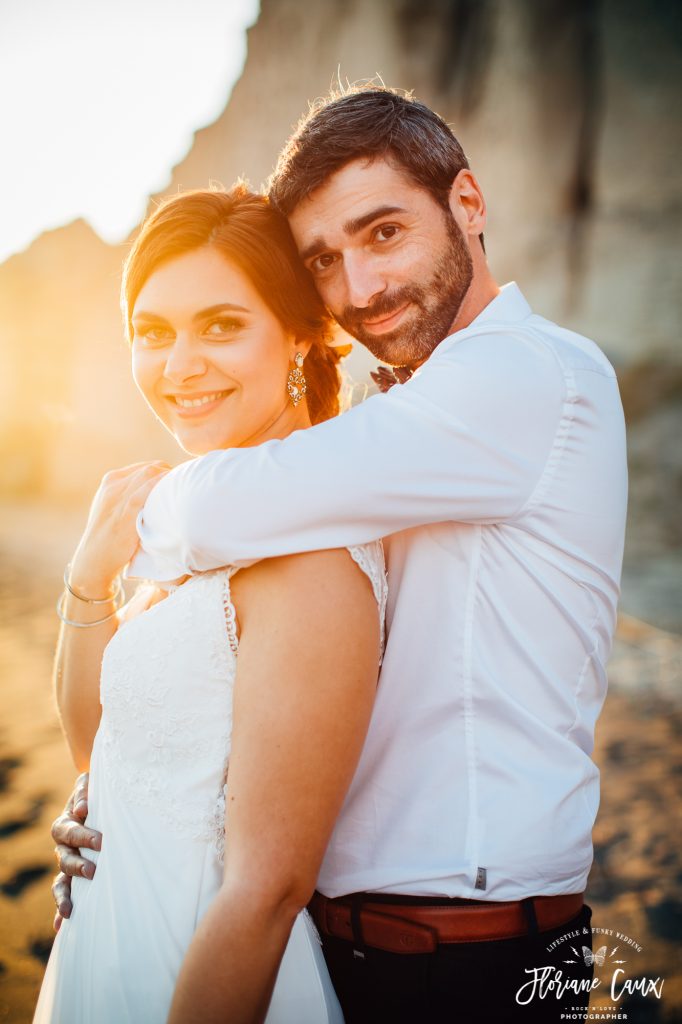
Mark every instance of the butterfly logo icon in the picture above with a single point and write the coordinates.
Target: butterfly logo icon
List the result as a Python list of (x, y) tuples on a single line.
[(589, 958), (594, 958)]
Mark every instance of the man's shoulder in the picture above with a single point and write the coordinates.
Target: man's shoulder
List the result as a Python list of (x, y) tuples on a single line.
[(531, 346), (502, 351), (574, 350), (488, 373)]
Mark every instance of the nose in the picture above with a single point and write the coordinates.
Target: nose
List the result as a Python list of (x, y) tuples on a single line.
[(184, 360), (364, 279)]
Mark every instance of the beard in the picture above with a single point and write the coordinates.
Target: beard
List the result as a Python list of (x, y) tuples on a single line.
[(436, 305)]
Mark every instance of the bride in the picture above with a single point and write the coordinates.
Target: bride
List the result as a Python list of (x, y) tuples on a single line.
[(195, 912)]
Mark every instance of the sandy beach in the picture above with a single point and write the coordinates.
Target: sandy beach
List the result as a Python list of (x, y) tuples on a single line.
[(636, 883)]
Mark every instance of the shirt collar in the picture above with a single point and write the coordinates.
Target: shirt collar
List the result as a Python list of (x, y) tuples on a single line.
[(508, 307)]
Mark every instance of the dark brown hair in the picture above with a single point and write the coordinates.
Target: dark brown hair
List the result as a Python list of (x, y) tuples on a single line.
[(366, 121), (250, 233)]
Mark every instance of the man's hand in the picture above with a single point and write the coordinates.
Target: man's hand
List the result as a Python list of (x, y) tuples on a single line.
[(71, 835)]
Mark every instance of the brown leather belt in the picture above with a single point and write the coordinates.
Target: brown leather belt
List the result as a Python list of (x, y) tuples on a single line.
[(407, 928)]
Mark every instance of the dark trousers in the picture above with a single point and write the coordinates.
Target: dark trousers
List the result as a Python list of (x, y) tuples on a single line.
[(464, 983)]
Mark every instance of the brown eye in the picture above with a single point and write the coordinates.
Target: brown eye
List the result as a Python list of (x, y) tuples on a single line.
[(154, 335), (219, 328), (323, 262), (386, 232)]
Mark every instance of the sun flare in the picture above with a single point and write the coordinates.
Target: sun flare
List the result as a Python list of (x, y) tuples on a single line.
[(105, 98)]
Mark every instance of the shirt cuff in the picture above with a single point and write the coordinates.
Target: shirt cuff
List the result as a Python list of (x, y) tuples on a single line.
[(144, 566)]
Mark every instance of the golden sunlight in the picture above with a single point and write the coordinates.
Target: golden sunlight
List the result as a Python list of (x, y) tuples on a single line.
[(101, 100)]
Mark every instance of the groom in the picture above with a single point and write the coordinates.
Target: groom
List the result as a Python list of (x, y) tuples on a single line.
[(497, 472)]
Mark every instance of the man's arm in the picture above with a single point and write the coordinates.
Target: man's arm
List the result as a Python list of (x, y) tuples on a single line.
[(71, 836), (466, 439)]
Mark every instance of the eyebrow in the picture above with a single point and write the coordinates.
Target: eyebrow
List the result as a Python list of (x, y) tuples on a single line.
[(351, 227), (222, 307)]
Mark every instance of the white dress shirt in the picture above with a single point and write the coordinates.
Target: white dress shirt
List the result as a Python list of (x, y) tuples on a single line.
[(499, 472)]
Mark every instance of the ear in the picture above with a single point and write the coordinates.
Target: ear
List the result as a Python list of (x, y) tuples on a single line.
[(468, 204)]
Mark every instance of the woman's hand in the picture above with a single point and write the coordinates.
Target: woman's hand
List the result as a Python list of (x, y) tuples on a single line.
[(108, 543), (110, 538)]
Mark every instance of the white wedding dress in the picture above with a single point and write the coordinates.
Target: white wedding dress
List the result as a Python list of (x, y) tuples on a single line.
[(158, 772)]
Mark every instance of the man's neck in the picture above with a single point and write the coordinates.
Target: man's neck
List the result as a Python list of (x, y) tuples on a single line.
[(482, 290)]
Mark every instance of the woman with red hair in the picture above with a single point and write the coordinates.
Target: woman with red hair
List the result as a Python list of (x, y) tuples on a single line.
[(224, 728)]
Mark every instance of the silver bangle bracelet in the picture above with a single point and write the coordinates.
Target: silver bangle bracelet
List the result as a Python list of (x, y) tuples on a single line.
[(93, 600), (81, 625)]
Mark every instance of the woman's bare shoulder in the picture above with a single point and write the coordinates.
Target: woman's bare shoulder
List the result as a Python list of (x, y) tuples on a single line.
[(332, 565), (313, 582)]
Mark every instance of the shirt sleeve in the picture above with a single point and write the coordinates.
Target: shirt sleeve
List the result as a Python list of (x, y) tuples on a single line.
[(466, 439)]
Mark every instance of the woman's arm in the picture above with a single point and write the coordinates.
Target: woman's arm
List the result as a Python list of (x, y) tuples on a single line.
[(77, 668), (107, 545), (306, 678)]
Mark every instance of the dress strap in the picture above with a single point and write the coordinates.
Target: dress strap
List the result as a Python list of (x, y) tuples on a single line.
[(229, 608), (370, 558)]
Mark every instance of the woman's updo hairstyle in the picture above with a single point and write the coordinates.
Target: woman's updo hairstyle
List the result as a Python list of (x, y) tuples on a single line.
[(252, 235)]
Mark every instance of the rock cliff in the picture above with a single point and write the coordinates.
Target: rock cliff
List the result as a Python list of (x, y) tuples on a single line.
[(566, 109)]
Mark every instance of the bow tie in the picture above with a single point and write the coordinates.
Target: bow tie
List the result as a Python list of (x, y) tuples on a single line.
[(385, 378)]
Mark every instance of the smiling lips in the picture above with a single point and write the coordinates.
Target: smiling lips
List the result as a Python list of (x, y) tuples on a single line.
[(197, 404), (385, 323)]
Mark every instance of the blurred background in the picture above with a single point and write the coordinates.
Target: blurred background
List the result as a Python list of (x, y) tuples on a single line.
[(566, 109)]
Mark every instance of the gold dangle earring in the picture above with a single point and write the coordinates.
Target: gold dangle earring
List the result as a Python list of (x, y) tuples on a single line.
[(296, 384)]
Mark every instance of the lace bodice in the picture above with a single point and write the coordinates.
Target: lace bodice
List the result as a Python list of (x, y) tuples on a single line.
[(166, 691)]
